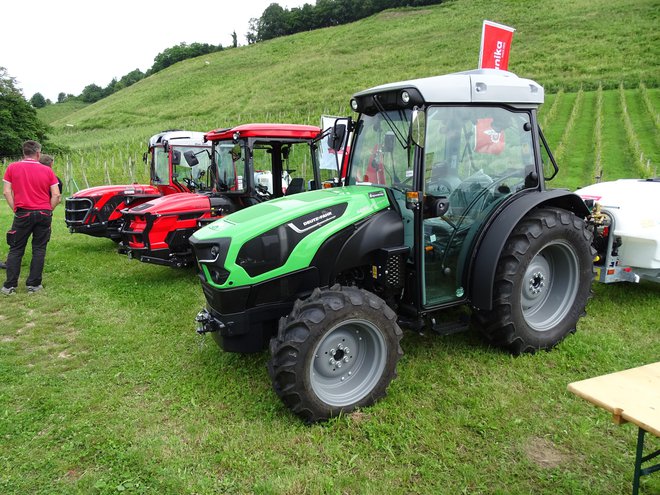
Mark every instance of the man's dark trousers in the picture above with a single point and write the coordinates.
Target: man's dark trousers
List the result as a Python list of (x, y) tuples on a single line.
[(28, 222)]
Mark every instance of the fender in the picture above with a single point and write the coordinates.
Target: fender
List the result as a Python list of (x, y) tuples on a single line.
[(481, 274), (356, 246)]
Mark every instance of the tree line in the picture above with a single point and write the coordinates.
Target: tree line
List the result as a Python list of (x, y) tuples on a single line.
[(276, 21)]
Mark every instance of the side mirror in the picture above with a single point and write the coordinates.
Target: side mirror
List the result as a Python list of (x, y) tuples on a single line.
[(145, 157), (190, 157), (337, 136), (235, 152), (176, 157), (418, 127), (436, 207)]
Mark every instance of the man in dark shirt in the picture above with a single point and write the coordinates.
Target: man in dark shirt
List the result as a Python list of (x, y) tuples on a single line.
[(32, 192)]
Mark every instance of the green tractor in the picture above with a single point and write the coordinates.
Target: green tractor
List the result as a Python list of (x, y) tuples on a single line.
[(444, 204)]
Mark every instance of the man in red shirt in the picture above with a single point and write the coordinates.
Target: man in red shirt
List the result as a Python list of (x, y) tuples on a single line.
[(32, 192)]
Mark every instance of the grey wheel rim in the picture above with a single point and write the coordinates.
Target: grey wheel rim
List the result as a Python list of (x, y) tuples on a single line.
[(348, 362), (550, 286)]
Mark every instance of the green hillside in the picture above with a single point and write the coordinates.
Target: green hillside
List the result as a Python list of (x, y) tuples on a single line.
[(566, 45), (60, 111)]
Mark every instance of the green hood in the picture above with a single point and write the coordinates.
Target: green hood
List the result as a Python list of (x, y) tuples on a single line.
[(312, 217)]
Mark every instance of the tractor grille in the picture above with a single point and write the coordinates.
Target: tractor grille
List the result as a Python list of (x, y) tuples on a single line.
[(394, 271), (389, 267), (77, 210), (135, 230)]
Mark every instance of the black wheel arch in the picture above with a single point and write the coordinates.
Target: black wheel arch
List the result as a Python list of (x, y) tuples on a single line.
[(482, 265)]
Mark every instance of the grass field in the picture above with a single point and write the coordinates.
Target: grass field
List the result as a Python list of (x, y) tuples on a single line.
[(105, 387)]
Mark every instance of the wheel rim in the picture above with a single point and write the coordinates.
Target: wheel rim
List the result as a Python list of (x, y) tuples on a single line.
[(550, 286), (348, 362)]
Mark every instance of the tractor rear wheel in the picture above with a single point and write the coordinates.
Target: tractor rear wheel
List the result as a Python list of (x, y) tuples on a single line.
[(542, 282), (335, 352)]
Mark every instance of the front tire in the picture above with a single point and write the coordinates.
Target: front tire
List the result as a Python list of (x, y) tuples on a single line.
[(335, 352), (542, 282)]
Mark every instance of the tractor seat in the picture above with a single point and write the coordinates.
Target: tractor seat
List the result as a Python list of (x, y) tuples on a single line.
[(296, 185)]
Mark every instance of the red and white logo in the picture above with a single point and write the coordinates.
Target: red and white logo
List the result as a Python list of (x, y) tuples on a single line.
[(488, 140), (495, 46)]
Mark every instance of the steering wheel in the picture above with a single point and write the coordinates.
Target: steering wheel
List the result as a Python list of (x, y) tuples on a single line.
[(190, 183), (262, 191)]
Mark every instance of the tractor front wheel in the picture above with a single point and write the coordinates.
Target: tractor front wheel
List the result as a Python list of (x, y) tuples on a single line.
[(542, 282), (335, 352)]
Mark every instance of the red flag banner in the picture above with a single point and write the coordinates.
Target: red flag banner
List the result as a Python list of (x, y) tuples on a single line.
[(495, 46), (487, 139)]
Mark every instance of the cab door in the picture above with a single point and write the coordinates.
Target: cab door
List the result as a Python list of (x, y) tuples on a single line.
[(475, 157)]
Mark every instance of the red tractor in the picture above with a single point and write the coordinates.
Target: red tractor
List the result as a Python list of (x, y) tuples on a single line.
[(250, 163), (96, 211)]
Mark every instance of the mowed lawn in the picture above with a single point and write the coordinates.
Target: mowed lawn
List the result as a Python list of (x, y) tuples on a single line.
[(106, 388)]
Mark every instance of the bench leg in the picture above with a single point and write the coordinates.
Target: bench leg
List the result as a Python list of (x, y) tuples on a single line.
[(640, 458)]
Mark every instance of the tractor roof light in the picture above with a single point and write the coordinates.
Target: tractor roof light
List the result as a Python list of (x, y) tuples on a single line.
[(354, 104), (236, 136), (405, 97)]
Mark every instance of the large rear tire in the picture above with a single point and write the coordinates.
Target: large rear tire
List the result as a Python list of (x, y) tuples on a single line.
[(542, 282), (335, 352)]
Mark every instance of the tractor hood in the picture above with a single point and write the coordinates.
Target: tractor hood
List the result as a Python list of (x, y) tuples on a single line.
[(129, 189), (360, 201), (173, 204), (282, 235)]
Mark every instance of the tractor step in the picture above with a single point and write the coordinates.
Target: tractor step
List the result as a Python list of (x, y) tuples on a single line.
[(451, 327)]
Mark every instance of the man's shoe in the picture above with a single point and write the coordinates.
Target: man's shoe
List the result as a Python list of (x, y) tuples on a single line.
[(3, 265), (8, 291), (34, 288)]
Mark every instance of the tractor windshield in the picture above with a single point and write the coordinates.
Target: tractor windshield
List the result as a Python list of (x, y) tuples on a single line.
[(229, 166), (190, 165), (381, 155)]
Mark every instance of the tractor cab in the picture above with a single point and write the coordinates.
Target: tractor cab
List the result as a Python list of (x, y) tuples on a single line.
[(265, 161), (447, 167), (249, 164), (179, 162)]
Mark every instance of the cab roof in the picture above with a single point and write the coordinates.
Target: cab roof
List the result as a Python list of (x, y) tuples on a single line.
[(279, 131), (178, 138), (475, 86)]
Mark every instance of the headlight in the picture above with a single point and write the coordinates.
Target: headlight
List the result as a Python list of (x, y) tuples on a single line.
[(211, 254)]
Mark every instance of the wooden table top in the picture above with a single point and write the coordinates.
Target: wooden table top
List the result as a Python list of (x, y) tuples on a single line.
[(630, 395)]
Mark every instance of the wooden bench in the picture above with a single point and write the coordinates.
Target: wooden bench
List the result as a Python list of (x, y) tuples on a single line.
[(631, 396)]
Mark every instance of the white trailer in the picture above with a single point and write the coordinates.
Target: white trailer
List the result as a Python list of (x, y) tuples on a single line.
[(626, 214)]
